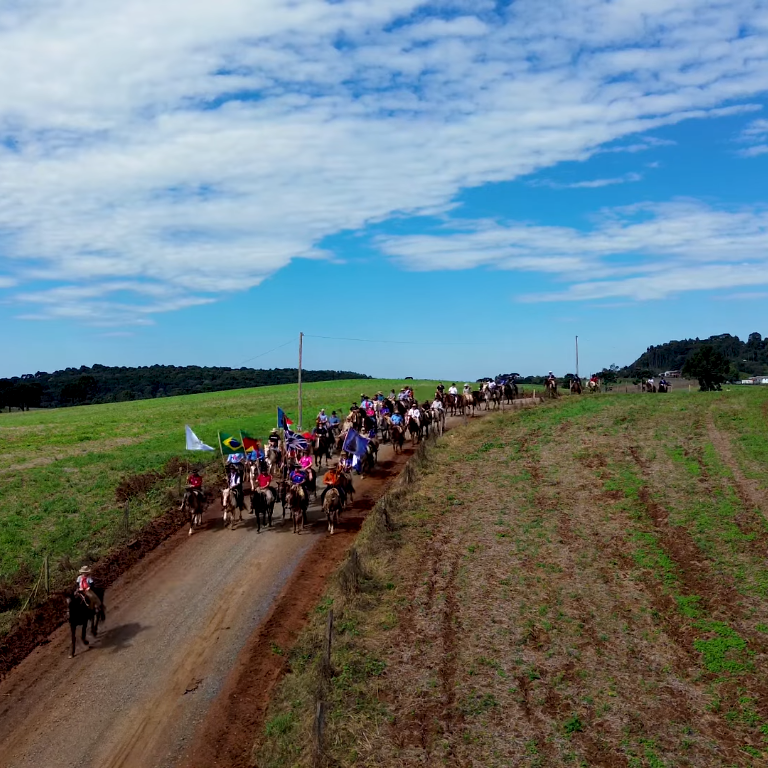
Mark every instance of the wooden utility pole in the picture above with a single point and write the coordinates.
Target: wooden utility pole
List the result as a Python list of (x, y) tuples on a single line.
[(577, 357), (301, 343)]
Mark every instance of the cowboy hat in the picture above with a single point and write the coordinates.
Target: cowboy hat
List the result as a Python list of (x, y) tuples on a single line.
[(85, 569)]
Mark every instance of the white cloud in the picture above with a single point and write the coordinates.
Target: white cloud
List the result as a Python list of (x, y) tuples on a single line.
[(640, 252), (159, 143), (756, 134), (590, 184)]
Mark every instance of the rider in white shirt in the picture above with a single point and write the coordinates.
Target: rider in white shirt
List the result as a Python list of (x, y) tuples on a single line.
[(437, 405), (467, 389), (415, 414), (452, 390), (322, 418)]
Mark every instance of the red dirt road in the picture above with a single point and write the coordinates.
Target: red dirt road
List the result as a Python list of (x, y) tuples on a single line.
[(173, 665)]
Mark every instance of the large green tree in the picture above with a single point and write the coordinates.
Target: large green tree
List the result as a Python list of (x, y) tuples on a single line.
[(709, 366)]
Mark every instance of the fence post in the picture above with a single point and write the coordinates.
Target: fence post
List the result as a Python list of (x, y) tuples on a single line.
[(327, 668), (317, 733)]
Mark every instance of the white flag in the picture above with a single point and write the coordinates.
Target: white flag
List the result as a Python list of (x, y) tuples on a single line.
[(194, 443)]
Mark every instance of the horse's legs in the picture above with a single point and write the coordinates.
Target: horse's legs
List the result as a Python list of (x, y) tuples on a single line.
[(82, 636), (73, 629)]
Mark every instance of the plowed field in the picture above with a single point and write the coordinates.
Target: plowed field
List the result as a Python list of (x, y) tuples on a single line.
[(581, 584)]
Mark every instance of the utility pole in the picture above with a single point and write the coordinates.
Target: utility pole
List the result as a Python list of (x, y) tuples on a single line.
[(577, 357), (301, 342)]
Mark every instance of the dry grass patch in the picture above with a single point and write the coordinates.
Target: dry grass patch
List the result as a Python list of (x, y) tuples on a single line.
[(544, 593)]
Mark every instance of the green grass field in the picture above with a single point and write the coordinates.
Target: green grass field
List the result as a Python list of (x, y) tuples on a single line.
[(59, 468), (584, 583)]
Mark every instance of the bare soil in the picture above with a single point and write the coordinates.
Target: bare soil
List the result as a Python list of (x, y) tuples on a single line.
[(582, 585)]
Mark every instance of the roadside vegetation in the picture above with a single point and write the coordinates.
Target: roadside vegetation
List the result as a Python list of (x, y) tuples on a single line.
[(66, 474), (578, 584)]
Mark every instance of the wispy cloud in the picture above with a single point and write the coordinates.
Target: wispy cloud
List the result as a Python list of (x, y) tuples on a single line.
[(590, 184), (755, 134), (641, 252), (244, 133)]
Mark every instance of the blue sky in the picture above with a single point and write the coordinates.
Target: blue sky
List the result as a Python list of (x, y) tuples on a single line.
[(470, 184)]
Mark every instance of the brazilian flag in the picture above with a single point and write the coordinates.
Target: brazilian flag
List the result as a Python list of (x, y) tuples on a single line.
[(230, 444)]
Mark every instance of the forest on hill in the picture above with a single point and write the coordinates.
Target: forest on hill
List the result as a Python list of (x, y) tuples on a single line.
[(747, 358), (105, 384)]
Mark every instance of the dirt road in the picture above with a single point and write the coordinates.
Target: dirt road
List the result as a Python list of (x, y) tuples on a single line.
[(175, 627)]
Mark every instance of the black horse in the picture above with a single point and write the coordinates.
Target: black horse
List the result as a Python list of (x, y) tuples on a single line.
[(263, 505), (322, 447), (80, 613)]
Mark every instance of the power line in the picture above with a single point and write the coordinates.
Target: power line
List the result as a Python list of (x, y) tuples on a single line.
[(390, 341), (267, 352)]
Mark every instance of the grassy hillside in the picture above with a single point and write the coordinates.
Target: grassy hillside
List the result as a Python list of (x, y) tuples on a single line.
[(59, 468), (581, 584)]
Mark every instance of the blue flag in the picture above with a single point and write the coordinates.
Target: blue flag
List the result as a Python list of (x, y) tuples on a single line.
[(355, 444), (283, 422)]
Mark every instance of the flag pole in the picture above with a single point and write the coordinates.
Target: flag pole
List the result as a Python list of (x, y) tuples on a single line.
[(577, 357), (221, 450), (301, 343)]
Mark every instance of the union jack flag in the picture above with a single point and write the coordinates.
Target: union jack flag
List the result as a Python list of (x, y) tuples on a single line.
[(294, 442)]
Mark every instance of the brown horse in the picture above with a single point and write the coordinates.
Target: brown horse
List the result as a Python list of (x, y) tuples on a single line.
[(193, 504), (332, 508), (575, 386), (298, 501), (550, 386), (397, 435)]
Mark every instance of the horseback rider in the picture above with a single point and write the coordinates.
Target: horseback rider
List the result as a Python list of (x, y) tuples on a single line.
[(333, 421), (195, 482), (333, 479), (453, 390), (551, 376), (83, 589), (322, 419), (235, 475), (441, 388), (345, 462), (467, 389), (415, 414), (437, 404)]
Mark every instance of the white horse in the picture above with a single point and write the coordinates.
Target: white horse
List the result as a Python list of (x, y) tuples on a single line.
[(438, 419), (234, 498)]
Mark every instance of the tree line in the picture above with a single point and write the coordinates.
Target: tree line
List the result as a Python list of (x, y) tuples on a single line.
[(712, 361), (105, 384)]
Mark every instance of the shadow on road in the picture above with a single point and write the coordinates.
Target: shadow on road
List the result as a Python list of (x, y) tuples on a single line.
[(118, 638)]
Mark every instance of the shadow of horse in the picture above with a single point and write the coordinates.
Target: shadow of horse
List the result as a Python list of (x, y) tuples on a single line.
[(119, 638)]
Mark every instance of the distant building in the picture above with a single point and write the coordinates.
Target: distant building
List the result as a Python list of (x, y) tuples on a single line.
[(672, 374), (756, 380)]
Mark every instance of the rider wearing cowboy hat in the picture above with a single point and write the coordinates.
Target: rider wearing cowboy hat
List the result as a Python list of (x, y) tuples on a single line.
[(83, 587)]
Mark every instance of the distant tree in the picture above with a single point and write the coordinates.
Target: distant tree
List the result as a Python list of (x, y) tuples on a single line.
[(26, 395), (709, 366), (609, 375)]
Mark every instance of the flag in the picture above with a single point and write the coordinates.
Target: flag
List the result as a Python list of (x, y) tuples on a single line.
[(294, 442), (232, 447), (355, 444), (283, 422), (194, 443), (251, 446)]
